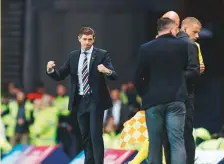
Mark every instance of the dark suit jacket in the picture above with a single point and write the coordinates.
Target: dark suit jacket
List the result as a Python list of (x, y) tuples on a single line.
[(160, 73), (97, 81), (191, 76), (124, 116)]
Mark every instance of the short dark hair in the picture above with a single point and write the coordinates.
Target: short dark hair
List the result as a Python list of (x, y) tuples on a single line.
[(86, 31), (164, 23)]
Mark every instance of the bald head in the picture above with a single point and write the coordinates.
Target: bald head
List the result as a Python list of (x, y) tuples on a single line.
[(174, 16)]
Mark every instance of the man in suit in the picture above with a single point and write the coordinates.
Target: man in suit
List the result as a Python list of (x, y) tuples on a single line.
[(189, 31), (160, 81), (120, 111), (88, 93)]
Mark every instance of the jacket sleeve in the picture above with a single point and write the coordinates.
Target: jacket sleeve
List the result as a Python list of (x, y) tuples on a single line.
[(107, 63), (193, 68), (62, 72), (141, 72)]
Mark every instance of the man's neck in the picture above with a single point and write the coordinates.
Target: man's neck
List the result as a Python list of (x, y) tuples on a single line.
[(116, 101), (163, 33), (83, 49), (88, 49), (21, 102)]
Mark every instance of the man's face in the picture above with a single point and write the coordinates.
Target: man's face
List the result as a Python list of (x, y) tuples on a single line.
[(37, 104), (193, 31), (124, 87), (115, 95), (61, 90), (11, 86), (130, 86), (40, 90), (20, 96), (86, 41)]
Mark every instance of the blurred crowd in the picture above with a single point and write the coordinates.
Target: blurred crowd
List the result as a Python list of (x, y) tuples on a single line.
[(41, 119)]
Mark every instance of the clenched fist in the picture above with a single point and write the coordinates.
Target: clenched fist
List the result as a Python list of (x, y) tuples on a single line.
[(103, 69), (50, 66), (202, 68)]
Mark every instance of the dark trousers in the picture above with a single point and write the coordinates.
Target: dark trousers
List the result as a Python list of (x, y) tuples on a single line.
[(90, 122), (188, 130), (75, 139), (171, 116), (188, 134), (19, 138), (68, 142)]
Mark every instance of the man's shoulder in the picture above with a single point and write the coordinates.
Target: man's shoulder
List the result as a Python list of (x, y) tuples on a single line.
[(101, 53), (158, 41), (74, 53), (148, 44), (99, 50), (188, 40), (190, 43), (184, 37)]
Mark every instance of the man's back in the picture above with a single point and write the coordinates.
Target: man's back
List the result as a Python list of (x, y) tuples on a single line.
[(162, 65)]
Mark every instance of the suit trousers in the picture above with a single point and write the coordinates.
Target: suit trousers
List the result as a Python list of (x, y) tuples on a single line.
[(90, 121)]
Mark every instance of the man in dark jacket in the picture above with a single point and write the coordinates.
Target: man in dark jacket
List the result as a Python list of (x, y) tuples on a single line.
[(184, 34), (160, 81)]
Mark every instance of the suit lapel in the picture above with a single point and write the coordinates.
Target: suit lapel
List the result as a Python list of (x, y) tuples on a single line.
[(76, 60), (93, 57)]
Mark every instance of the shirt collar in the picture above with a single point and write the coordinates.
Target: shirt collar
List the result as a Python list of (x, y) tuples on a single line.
[(117, 102), (89, 51)]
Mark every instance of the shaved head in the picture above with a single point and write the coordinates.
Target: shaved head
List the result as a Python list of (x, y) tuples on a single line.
[(174, 16), (189, 21), (191, 26)]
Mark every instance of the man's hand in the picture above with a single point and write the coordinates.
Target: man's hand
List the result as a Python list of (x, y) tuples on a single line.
[(202, 68), (103, 69), (50, 66)]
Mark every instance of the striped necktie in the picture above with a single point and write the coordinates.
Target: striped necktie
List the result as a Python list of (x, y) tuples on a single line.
[(85, 75)]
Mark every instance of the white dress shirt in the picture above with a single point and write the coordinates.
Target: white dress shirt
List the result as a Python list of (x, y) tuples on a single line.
[(79, 73), (116, 111)]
